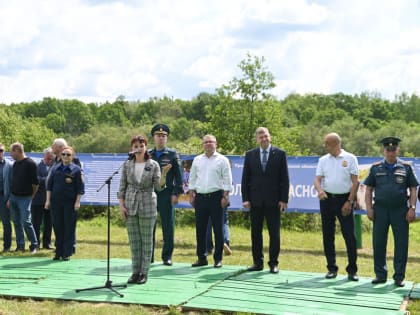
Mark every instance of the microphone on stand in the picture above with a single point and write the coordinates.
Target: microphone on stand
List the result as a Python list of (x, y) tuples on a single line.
[(132, 154)]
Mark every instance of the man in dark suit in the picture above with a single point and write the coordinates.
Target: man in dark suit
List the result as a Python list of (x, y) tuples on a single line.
[(265, 191)]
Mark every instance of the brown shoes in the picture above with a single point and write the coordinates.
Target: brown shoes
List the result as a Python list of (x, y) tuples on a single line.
[(227, 250)]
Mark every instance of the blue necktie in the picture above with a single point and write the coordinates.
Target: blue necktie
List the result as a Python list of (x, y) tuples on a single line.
[(264, 159)]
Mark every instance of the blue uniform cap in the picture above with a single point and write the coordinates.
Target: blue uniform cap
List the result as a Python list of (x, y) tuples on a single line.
[(390, 143), (160, 129)]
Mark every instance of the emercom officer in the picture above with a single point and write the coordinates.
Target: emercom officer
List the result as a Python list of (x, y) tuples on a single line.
[(167, 198), (389, 179)]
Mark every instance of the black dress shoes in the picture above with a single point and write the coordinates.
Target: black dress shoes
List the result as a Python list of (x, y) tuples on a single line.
[(200, 262), (378, 280), (353, 277), (56, 258), (331, 275), (142, 279), (274, 269), (218, 264), (134, 278), (399, 283), (167, 262), (255, 268)]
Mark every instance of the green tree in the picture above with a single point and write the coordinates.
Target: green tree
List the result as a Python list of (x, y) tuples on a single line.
[(245, 104), (31, 132), (108, 139), (196, 108), (112, 113), (78, 117)]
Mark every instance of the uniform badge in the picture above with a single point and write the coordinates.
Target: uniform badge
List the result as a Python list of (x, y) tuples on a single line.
[(344, 163), (399, 179)]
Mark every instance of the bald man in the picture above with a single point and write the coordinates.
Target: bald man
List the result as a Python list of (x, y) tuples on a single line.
[(336, 183)]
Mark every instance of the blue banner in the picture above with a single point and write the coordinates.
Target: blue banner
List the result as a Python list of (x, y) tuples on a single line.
[(303, 196)]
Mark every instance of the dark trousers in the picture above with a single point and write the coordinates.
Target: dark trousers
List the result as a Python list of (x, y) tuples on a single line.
[(64, 223), (394, 217), (226, 234), (209, 206), (7, 225), (167, 218), (331, 209), (42, 217), (272, 216)]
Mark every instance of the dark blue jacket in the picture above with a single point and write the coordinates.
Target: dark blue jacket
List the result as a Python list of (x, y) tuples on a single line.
[(66, 182)]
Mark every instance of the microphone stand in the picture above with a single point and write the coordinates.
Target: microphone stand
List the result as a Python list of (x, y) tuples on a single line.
[(108, 283)]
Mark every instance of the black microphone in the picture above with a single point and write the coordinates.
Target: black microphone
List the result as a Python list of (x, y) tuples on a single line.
[(132, 154)]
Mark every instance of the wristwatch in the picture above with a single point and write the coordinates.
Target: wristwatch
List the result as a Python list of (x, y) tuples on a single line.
[(412, 207)]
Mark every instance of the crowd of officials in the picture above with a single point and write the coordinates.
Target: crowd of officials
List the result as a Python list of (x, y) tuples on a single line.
[(48, 195), (44, 195)]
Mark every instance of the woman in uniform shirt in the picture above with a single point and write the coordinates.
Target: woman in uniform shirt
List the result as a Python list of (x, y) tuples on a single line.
[(65, 188)]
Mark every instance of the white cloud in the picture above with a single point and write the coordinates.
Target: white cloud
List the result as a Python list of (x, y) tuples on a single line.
[(97, 50)]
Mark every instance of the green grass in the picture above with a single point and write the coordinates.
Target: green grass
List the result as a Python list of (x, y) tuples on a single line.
[(300, 251)]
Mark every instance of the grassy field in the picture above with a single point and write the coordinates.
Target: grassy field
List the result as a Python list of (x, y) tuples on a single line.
[(300, 251)]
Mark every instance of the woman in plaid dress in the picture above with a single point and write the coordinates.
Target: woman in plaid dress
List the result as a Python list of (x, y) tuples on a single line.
[(140, 177)]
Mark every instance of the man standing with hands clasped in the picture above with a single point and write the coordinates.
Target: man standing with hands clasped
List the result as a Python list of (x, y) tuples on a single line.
[(265, 191), (336, 183), (168, 197), (390, 179), (210, 183)]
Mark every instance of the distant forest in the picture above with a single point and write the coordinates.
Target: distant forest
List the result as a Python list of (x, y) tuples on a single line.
[(297, 123)]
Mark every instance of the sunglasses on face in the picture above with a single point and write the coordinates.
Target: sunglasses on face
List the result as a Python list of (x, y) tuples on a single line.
[(65, 154)]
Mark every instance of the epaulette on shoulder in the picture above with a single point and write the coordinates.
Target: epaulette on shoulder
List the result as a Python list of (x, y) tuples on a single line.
[(409, 163), (376, 163)]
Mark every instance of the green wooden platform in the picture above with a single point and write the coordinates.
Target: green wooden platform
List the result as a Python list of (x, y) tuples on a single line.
[(227, 289)]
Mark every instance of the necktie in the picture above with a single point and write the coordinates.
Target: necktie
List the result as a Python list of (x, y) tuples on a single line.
[(264, 159)]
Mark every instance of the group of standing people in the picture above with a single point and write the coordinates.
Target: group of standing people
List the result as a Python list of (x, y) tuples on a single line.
[(391, 194), (47, 194), (152, 181)]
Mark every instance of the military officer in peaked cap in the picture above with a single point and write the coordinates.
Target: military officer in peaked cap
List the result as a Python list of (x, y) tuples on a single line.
[(389, 180), (167, 198)]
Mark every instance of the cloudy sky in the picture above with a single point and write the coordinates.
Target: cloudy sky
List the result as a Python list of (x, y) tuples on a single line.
[(96, 50)]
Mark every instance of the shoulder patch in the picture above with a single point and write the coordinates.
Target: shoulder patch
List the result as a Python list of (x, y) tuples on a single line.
[(409, 163)]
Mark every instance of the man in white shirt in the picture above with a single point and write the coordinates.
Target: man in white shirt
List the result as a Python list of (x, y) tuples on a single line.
[(210, 182), (336, 183)]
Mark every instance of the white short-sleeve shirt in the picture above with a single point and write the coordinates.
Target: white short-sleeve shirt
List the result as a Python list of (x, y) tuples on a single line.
[(336, 172)]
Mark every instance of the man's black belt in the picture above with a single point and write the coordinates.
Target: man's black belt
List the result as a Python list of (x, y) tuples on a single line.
[(211, 195), (337, 195)]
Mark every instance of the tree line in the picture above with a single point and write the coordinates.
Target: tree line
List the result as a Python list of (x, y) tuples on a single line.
[(297, 123)]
